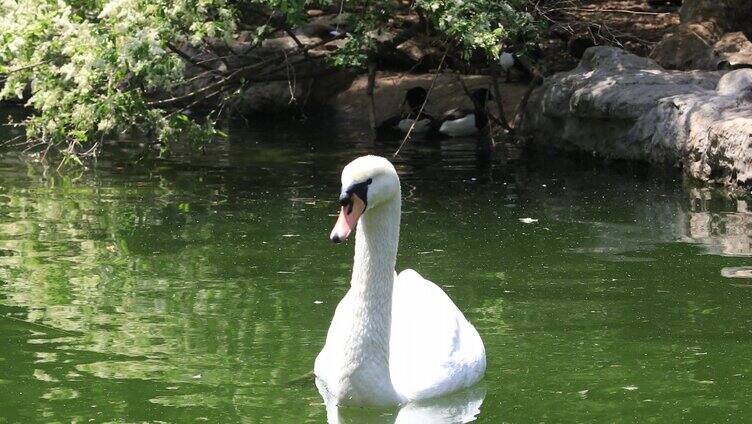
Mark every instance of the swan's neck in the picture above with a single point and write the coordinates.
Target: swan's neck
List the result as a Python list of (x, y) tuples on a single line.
[(366, 374)]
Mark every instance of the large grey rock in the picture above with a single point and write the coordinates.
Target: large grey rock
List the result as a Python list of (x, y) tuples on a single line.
[(618, 105), (708, 132)]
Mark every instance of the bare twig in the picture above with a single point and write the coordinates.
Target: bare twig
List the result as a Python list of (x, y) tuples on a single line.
[(235, 75), (297, 41), (11, 140), (188, 58), (631, 12), (523, 102), (25, 67), (497, 93), (420, 112), (369, 92)]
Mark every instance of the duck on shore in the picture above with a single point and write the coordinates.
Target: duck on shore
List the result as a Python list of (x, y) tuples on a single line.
[(506, 61)]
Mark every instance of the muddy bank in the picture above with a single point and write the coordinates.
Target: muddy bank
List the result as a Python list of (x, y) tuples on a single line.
[(447, 93)]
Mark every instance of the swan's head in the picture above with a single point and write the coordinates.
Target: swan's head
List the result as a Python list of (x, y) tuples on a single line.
[(368, 182)]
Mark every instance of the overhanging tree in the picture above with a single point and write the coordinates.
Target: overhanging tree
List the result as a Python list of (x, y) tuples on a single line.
[(91, 69)]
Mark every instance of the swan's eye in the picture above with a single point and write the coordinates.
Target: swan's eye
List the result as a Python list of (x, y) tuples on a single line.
[(359, 189)]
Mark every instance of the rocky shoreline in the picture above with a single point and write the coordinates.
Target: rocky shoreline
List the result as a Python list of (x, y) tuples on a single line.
[(621, 106)]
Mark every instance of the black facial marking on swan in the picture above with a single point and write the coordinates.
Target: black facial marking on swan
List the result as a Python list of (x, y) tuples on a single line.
[(359, 189)]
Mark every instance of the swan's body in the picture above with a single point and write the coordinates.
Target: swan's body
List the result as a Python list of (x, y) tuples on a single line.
[(394, 338)]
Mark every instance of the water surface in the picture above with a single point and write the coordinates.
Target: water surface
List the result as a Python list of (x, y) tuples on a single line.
[(200, 288)]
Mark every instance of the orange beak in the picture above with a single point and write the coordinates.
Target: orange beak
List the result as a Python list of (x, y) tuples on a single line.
[(348, 219)]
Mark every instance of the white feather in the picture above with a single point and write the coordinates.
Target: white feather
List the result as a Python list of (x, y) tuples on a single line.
[(462, 127), (506, 60), (420, 127), (393, 338)]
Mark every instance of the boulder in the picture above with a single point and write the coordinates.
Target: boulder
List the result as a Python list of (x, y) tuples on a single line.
[(733, 51), (709, 133), (702, 11), (699, 41), (688, 46), (621, 106)]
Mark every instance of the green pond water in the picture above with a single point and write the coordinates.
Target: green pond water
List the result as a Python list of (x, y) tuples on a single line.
[(200, 288)]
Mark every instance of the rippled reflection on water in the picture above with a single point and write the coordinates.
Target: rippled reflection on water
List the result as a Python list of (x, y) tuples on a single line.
[(197, 288)]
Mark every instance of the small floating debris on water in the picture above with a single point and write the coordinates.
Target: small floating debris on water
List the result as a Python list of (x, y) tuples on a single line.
[(528, 220), (583, 392), (318, 302), (631, 388), (285, 272), (196, 377), (737, 272), (290, 235)]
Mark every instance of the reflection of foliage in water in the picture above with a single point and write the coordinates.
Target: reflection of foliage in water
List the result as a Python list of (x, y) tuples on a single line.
[(139, 274), (188, 292)]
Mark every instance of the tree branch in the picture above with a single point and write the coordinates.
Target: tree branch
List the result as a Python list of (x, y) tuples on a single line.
[(188, 58), (236, 75)]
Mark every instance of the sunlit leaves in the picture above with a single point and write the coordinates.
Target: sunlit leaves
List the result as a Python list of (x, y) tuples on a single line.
[(90, 67)]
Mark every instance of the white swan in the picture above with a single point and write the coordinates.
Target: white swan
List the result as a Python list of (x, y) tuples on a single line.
[(393, 338)]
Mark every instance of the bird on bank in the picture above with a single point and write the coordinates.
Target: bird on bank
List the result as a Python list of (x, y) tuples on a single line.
[(465, 122), (394, 338), (414, 98), (506, 61)]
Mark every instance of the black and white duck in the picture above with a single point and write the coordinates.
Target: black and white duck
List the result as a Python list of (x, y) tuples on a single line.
[(414, 98), (465, 122)]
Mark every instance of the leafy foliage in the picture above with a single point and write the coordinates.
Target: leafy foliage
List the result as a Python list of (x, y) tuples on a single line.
[(93, 68), (480, 24)]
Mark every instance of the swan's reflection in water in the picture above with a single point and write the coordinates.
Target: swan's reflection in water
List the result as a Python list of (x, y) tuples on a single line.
[(456, 408)]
